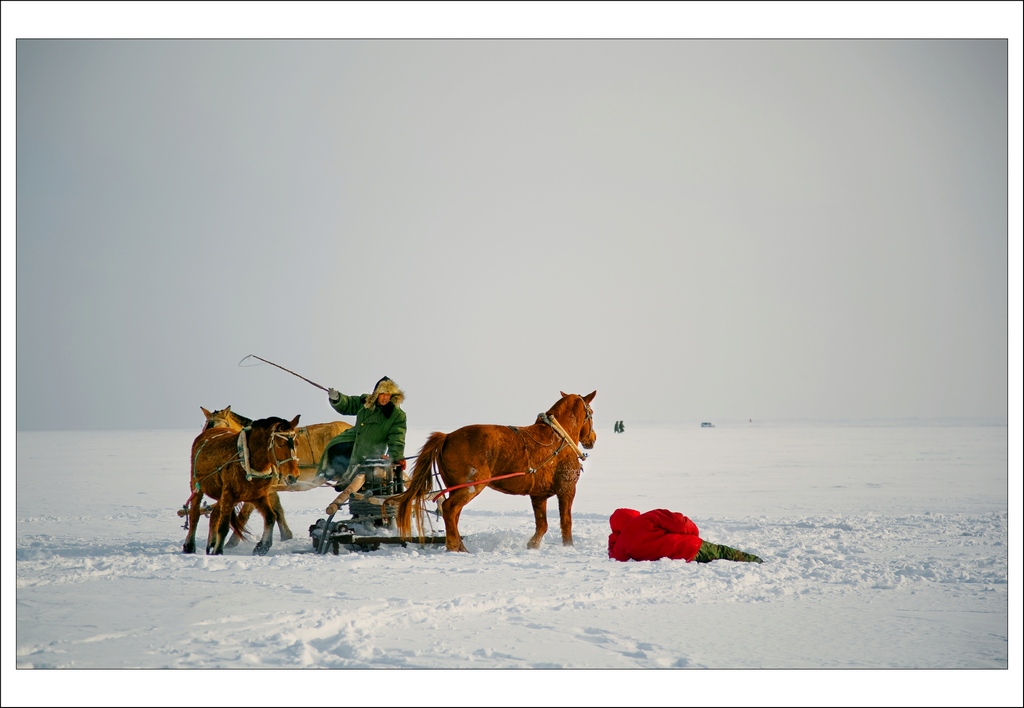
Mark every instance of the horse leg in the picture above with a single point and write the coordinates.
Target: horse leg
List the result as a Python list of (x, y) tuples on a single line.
[(565, 514), (451, 510), (540, 518), (265, 507), (194, 512), (282, 526), (220, 524)]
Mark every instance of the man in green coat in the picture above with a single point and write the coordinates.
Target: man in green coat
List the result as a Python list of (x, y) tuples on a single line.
[(379, 431)]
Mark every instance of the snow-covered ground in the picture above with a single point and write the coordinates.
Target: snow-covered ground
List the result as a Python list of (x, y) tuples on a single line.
[(886, 546)]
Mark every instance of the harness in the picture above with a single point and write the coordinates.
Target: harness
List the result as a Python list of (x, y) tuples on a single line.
[(242, 457), (275, 464)]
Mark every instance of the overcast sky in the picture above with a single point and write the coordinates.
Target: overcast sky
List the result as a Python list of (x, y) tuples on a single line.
[(699, 229)]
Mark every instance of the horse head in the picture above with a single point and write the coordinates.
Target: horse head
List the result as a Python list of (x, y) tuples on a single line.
[(213, 419), (582, 416), (225, 418), (278, 437)]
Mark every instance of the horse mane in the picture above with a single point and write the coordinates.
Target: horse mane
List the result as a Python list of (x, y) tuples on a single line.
[(268, 422), (568, 402), (272, 423)]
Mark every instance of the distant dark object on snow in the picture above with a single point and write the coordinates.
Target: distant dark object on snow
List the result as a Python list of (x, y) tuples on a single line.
[(706, 424)]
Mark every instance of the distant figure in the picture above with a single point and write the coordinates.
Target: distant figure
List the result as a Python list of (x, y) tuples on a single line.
[(661, 533)]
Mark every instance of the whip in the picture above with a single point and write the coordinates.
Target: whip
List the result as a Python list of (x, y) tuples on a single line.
[(253, 356)]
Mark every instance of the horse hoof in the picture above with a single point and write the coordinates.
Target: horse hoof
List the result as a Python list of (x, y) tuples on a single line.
[(260, 550)]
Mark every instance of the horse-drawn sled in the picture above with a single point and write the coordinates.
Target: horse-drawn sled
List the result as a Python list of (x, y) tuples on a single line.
[(243, 464), (373, 519), (227, 451)]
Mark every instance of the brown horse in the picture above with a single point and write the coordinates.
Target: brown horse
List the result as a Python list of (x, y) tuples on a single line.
[(242, 466), (539, 461), (310, 442)]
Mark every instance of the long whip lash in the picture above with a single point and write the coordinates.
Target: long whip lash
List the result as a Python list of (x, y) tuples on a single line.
[(253, 356)]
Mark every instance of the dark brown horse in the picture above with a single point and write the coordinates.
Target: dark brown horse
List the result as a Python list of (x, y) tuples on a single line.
[(539, 461), (226, 418), (310, 441), (240, 466)]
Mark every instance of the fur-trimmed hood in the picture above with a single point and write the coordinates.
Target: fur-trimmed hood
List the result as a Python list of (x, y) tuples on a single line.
[(385, 385)]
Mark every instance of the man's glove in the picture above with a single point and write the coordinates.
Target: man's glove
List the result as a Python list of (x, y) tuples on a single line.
[(333, 396), (400, 464)]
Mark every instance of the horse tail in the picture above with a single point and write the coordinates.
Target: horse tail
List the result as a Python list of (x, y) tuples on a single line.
[(411, 500), (237, 525)]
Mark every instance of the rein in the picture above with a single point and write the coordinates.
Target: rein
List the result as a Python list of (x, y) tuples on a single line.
[(198, 483), (473, 484), (226, 463)]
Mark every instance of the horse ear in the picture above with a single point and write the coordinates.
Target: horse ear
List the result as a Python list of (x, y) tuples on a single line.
[(295, 421), (590, 396), (227, 410), (205, 412), (564, 394)]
